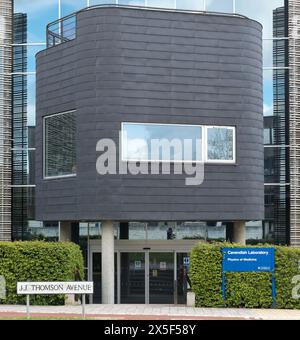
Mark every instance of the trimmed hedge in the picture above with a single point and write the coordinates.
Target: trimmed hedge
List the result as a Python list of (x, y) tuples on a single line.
[(38, 261), (249, 290)]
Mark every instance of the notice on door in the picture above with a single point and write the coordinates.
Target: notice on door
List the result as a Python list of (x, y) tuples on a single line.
[(163, 265), (137, 265)]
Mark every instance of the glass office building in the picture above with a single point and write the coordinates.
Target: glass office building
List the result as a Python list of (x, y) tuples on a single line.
[(19, 128), (281, 224), (6, 38)]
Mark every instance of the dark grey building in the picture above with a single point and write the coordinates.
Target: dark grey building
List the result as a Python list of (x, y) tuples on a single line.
[(183, 73), (151, 74)]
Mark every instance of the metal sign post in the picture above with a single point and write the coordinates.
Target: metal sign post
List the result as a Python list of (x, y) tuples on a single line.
[(55, 288), (83, 306), (238, 260), (27, 306)]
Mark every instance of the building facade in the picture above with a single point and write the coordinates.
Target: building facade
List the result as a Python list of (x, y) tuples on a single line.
[(20, 164), (280, 48), (6, 38), (276, 19), (294, 21), (150, 74)]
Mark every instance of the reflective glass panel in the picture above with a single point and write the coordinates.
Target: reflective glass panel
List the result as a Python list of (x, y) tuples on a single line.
[(223, 6), (162, 3), (60, 146), (155, 142), (71, 6), (220, 144), (132, 2), (196, 5)]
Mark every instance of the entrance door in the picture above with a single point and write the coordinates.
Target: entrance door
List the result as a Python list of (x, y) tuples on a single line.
[(133, 278), (144, 277), (161, 278), (97, 275)]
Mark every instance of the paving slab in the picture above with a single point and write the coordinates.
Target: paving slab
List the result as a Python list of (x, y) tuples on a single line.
[(162, 312)]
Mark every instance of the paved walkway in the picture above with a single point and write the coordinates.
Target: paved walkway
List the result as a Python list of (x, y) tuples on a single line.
[(151, 312)]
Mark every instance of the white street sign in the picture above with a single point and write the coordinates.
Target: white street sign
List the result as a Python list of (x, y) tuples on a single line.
[(53, 288)]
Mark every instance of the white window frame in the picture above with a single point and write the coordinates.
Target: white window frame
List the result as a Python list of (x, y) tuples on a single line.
[(44, 147), (220, 161), (204, 145)]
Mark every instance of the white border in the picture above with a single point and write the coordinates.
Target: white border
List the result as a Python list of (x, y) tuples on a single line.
[(223, 161), (44, 147), (204, 145)]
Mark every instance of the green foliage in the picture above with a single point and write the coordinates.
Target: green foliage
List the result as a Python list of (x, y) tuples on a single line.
[(38, 261), (250, 290)]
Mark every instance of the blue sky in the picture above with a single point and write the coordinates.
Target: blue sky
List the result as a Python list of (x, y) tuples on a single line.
[(41, 12)]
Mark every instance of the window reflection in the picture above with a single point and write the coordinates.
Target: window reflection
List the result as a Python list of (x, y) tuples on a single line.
[(196, 5), (132, 2), (60, 148), (102, 2), (162, 3), (155, 142), (220, 143)]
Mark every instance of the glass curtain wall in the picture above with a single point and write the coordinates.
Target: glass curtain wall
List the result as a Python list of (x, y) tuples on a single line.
[(6, 20), (19, 128)]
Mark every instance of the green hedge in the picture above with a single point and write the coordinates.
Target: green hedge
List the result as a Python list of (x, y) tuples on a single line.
[(250, 290), (38, 261)]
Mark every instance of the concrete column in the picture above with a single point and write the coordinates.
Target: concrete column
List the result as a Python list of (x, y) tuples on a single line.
[(239, 232), (65, 232), (108, 263)]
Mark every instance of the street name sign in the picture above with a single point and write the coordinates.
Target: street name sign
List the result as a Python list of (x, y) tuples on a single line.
[(54, 288)]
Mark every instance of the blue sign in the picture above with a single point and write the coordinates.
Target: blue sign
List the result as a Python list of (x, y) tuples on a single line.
[(248, 260), (186, 261)]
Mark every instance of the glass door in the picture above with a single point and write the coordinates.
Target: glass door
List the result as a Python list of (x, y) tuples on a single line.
[(161, 278), (97, 277), (97, 297), (133, 278)]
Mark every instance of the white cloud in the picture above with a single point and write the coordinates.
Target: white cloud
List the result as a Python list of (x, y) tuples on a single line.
[(268, 110)]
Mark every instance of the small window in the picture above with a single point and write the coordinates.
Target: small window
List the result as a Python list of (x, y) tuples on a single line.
[(59, 145), (161, 142), (220, 144)]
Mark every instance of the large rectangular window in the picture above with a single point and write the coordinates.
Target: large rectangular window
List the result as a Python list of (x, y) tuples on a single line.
[(150, 142), (59, 145), (161, 142)]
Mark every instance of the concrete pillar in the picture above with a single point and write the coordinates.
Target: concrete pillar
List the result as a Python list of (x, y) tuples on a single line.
[(65, 232), (68, 233), (239, 232), (108, 263)]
